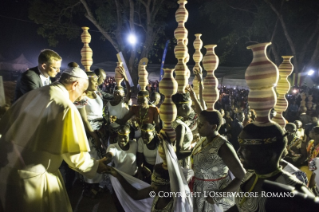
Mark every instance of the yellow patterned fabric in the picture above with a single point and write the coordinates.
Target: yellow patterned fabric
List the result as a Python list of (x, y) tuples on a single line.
[(256, 141), (45, 114)]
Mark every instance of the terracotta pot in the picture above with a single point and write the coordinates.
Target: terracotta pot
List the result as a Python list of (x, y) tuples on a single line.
[(197, 57), (261, 77), (168, 112), (143, 77), (118, 77), (210, 63), (86, 51), (283, 86)]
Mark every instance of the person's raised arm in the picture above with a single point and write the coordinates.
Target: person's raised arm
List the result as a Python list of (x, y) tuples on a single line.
[(128, 86), (198, 108), (201, 88), (128, 188)]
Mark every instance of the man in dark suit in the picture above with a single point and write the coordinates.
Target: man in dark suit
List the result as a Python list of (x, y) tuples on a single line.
[(49, 64)]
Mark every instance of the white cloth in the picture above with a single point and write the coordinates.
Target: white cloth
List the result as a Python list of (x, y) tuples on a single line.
[(39, 131), (149, 155), (129, 204), (119, 110), (183, 202), (317, 170), (94, 107), (188, 138), (124, 161)]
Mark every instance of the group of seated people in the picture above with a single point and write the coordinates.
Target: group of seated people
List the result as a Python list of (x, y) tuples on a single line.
[(131, 139)]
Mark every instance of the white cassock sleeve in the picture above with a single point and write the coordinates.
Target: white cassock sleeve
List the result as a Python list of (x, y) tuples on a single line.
[(82, 163)]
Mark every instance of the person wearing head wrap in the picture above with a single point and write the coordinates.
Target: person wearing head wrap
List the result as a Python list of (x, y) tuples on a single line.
[(213, 158), (91, 110), (143, 112), (117, 108), (39, 131), (261, 148)]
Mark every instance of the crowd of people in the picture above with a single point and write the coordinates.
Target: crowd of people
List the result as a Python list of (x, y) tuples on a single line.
[(83, 122)]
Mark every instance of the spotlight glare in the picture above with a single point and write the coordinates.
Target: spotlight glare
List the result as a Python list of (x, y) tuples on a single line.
[(132, 39), (311, 72)]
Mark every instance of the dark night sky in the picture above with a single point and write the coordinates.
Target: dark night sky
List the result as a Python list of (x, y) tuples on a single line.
[(18, 35)]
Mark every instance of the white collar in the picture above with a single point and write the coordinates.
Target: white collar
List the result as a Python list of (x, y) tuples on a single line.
[(41, 74)]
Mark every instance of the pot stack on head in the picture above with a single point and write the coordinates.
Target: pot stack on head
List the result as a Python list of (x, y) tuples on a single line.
[(210, 63), (285, 69), (197, 56), (181, 50), (86, 51)]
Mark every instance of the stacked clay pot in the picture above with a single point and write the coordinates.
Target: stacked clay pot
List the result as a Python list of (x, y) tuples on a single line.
[(261, 77), (210, 63), (168, 87), (86, 51), (118, 76), (197, 57), (283, 86), (309, 102), (303, 100), (181, 50), (143, 77)]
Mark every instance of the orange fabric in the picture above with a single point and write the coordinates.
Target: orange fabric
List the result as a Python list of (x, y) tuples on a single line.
[(149, 118)]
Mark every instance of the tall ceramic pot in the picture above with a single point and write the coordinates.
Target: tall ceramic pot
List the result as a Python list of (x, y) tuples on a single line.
[(210, 63), (86, 51), (283, 86), (118, 76), (261, 77), (168, 112)]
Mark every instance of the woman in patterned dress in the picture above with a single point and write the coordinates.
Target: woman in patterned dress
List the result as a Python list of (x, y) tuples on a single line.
[(213, 158), (91, 110)]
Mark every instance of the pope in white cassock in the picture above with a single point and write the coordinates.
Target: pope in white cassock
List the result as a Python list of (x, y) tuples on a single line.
[(39, 131)]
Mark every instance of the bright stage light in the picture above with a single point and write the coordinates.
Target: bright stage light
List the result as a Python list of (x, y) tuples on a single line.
[(311, 72), (132, 39), (294, 91)]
